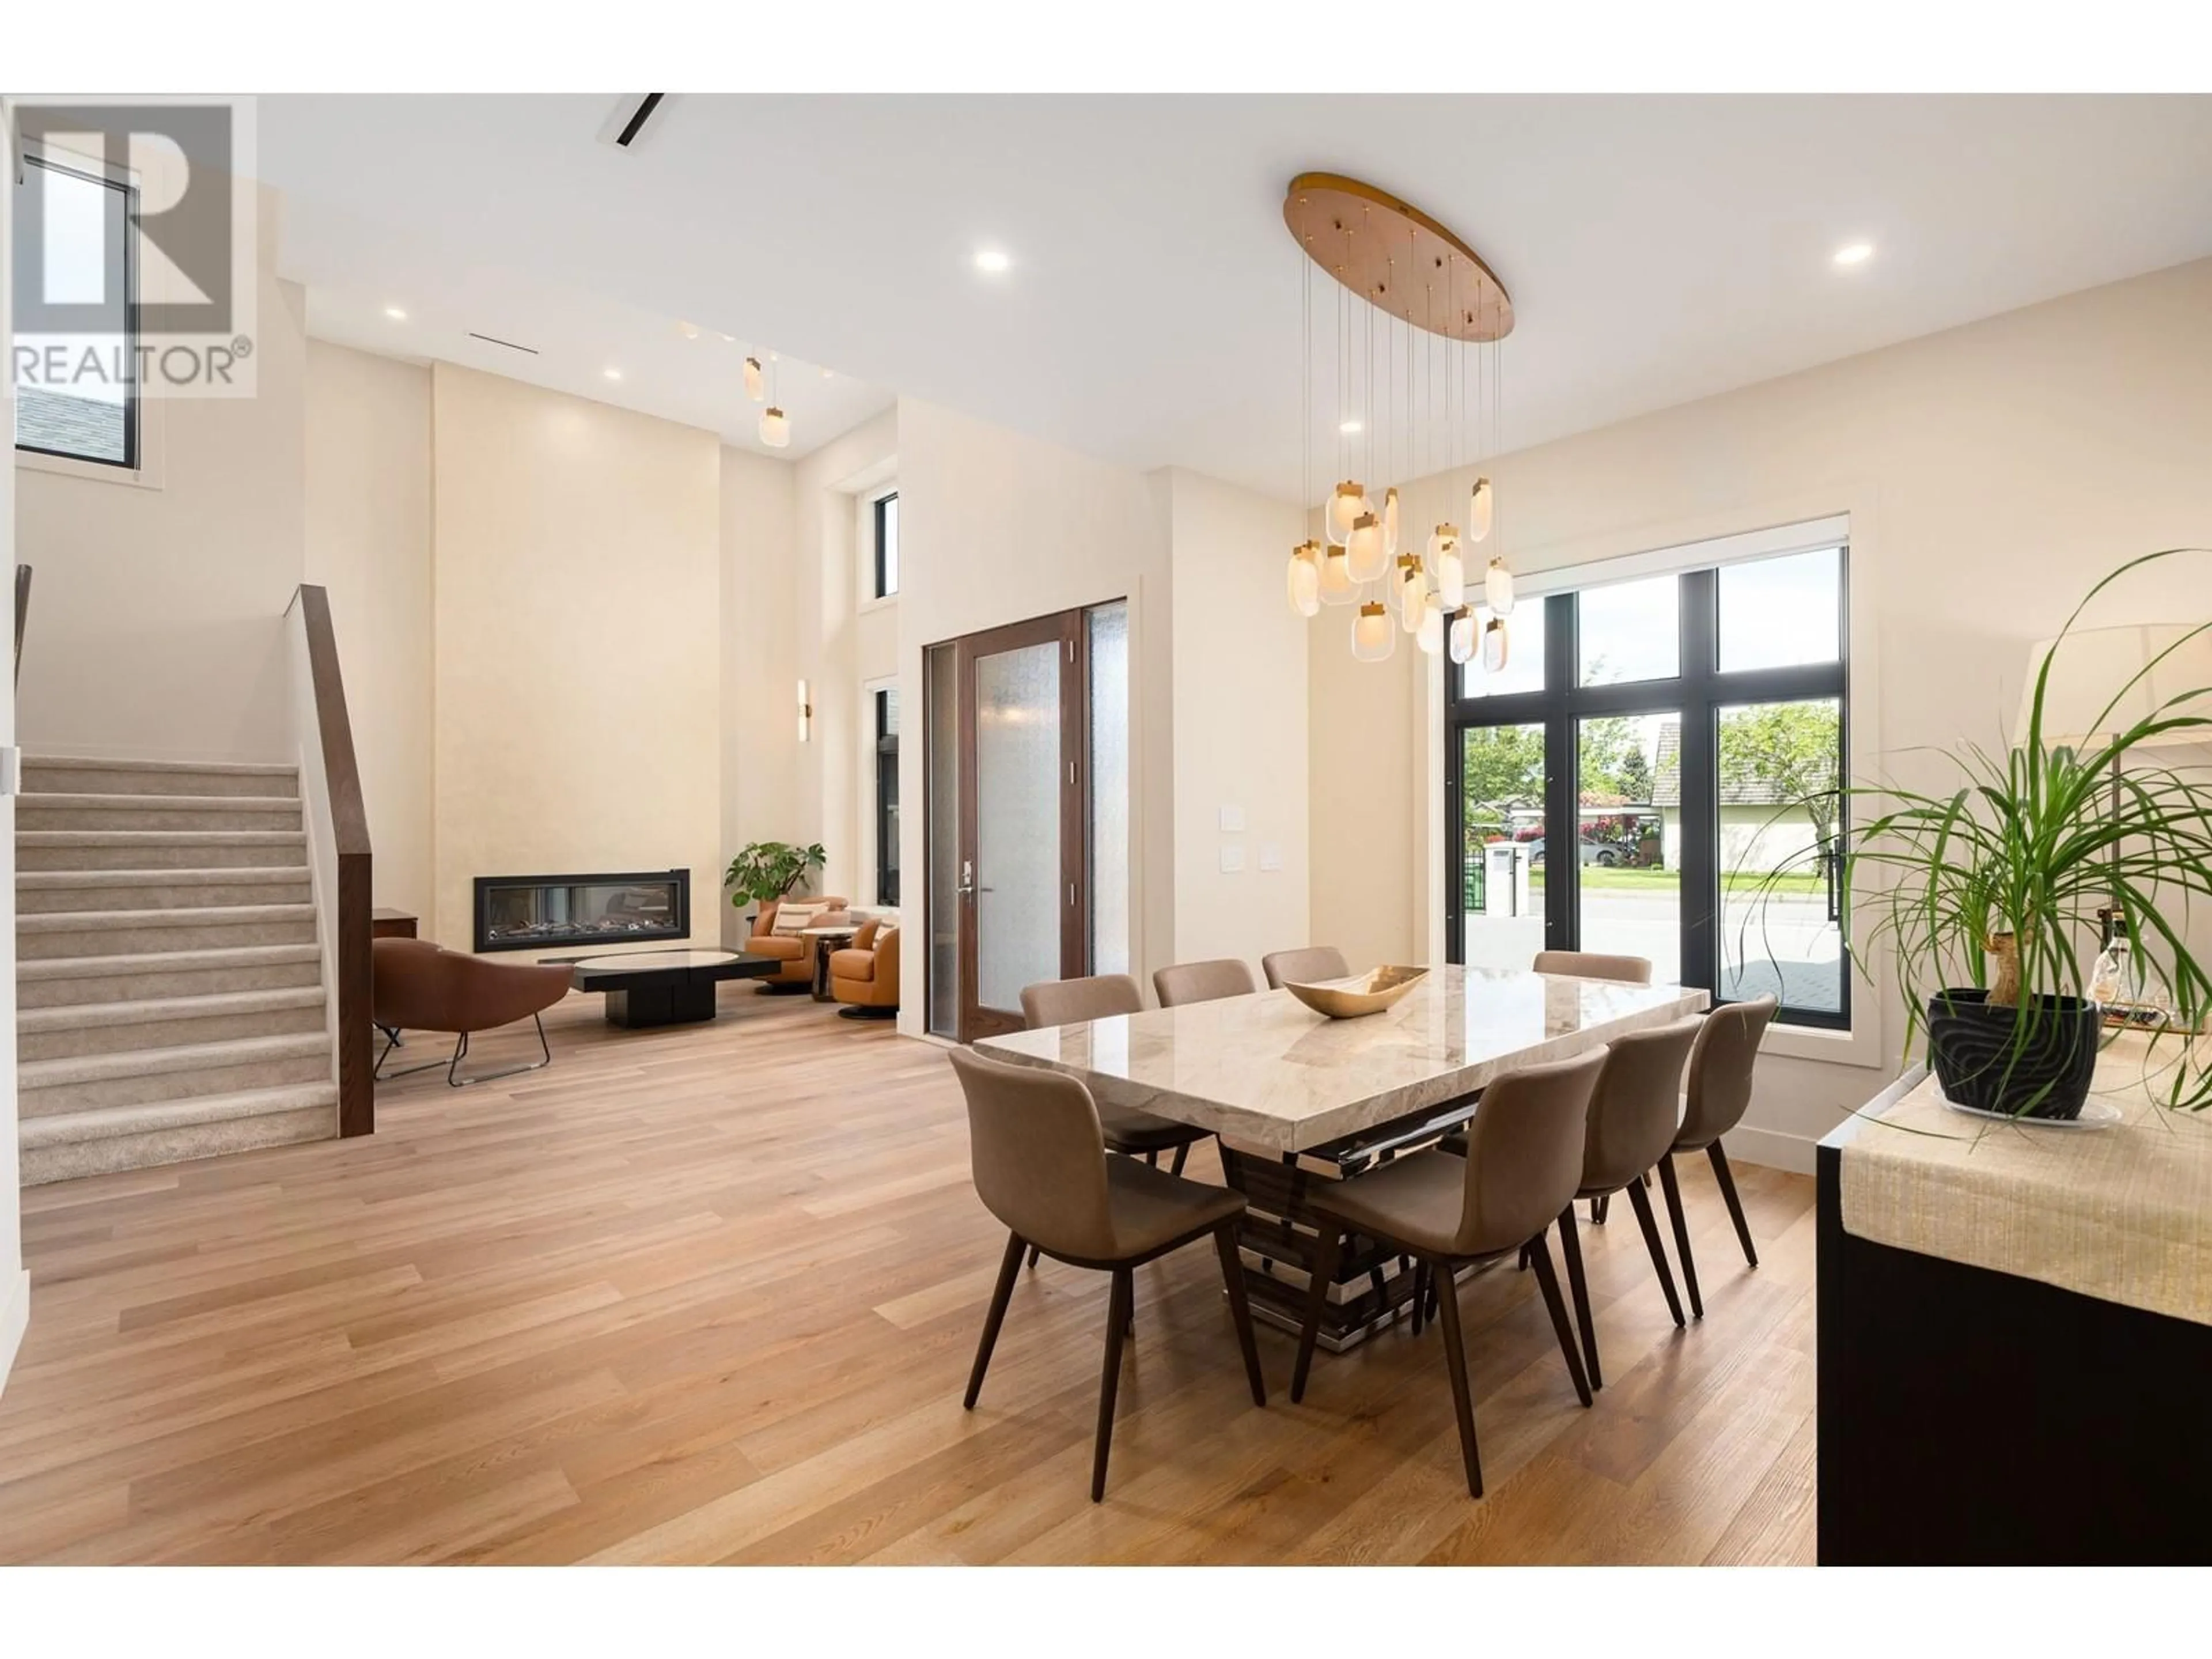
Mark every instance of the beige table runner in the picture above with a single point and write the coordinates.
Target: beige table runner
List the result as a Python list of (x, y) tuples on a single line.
[(2122, 1213)]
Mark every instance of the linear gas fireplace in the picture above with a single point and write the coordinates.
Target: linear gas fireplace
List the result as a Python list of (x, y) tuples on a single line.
[(536, 913)]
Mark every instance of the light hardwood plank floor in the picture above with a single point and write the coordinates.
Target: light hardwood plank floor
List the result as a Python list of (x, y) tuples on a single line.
[(710, 1294)]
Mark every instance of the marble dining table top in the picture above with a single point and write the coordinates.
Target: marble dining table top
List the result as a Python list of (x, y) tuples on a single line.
[(1268, 1071)]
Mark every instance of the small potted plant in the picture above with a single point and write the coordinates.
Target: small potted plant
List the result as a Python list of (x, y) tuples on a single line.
[(770, 870), (1989, 896)]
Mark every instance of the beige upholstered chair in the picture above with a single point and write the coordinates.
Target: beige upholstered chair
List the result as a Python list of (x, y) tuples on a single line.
[(1202, 981), (1632, 1124), (1041, 1167), (1721, 1065), (865, 974), (1524, 1158), (1591, 964), (1306, 967)]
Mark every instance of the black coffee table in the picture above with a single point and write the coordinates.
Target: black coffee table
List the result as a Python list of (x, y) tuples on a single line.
[(663, 987)]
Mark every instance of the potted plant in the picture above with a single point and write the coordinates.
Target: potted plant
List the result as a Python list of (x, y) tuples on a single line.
[(768, 870), (1989, 895)]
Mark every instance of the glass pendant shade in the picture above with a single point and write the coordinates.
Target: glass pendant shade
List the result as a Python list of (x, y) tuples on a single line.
[(774, 428), (1443, 539), (1372, 636), (756, 387), (1337, 586), (1305, 578), (1498, 588), (1345, 508), (1412, 589), (1368, 561), (1390, 523), (1462, 635), (1494, 647), (1451, 577), (1479, 505), (1431, 635)]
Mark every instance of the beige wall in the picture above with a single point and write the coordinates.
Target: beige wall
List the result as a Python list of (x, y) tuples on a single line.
[(578, 657), (368, 542), (157, 631), (1991, 472), (760, 660), (996, 527), (1240, 722)]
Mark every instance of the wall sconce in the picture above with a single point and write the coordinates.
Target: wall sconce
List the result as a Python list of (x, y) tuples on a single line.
[(806, 715)]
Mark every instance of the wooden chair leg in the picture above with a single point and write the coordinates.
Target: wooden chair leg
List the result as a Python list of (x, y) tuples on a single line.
[(1117, 1321), (1672, 1190), (1540, 1256), (1639, 1202), (1455, 1364), (1324, 1275), (1008, 1267), (1598, 1209), (1727, 1178), (1033, 1255), (1154, 1158), (1240, 1307), (1570, 1246), (1421, 1293), (1181, 1152)]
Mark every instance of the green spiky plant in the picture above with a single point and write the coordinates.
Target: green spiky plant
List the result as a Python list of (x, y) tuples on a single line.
[(1999, 884)]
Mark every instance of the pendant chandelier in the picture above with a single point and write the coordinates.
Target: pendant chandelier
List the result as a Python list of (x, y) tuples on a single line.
[(1419, 326)]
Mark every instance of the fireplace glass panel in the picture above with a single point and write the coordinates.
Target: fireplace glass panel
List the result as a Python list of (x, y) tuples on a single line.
[(535, 913)]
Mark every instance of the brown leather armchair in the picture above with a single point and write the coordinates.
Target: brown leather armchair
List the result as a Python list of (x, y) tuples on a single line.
[(864, 975), (796, 954), (422, 987)]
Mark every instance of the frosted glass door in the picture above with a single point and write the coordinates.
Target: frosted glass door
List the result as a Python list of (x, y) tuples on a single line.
[(1018, 773)]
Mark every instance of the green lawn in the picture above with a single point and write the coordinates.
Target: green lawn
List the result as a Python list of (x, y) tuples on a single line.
[(1599, 877)]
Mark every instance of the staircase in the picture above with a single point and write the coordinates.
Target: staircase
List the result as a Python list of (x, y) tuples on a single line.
[(169, 981)]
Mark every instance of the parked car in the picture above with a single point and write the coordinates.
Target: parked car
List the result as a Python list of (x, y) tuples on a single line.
[(1594, 852)]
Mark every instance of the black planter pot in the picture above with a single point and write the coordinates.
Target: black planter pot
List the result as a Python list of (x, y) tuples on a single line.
[(1984, 1059)]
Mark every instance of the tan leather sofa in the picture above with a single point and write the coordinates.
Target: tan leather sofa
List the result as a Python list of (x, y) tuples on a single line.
[(864, 975), (794, 952), (418, 985)]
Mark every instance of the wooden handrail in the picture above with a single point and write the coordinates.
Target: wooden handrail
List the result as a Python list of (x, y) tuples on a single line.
[(22, 614), (349, 831)]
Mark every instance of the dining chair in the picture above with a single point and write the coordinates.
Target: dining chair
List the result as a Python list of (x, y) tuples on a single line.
[(1631, 1125), (1719, 1089), (1039, 1156), (1523, 1160), (1306, 967), (1202, 981), (1594, 964)]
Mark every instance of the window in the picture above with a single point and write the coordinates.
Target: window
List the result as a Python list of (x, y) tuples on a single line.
[(74, 248), (887, 571), (1691, 727), (887, 805)]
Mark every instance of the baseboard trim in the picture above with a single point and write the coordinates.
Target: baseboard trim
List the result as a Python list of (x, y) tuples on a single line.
[(1770, 1147), (15, 1320)]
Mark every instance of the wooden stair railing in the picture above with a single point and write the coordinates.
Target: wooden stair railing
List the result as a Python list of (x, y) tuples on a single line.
[(349, 828), (22, 614)]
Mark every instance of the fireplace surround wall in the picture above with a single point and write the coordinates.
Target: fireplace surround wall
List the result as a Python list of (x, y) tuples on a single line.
[(537, 913)]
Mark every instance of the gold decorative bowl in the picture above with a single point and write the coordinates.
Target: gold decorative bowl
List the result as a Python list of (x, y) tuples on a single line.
[(1366, 993)]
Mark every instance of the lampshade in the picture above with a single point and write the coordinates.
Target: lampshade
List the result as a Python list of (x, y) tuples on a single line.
[(1372, 636), (756, 387), (1479, 503), (2090, 668), (1337, 586), (1412, 587), (1494, 646), (1344, 508), (1462, 635), (774, 428), (1390, 523), (1369, 560), (1498, 588), (1305, 578), (1430, 636), (1451, 576)]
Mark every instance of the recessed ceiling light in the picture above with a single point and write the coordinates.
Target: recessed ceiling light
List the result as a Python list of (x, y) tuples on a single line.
[(611, 373), (396, 313), (1348, 426), (1854, 254), (689, 331), (992, 261)]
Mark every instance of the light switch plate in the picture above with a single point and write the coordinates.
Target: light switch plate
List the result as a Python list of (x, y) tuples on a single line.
[(1232, 859), (1232, 820), (1271, 856)]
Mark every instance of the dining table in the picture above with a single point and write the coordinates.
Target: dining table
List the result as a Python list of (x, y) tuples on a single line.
[(1298, 1097)]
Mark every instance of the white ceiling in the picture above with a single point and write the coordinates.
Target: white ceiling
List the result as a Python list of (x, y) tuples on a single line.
[(1658, 249)]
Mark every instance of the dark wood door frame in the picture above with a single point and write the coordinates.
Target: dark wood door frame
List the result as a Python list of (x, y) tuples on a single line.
[(1066, 630)]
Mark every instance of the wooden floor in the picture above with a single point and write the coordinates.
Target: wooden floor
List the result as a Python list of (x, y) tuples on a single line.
[(711, 1294)]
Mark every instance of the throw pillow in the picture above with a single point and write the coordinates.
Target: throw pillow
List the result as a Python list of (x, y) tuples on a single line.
[(791, 920)]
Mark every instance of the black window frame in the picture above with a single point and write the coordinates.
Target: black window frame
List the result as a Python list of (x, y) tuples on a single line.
[(887, 801), (883, 503), (1696, 694), (132, 447)]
